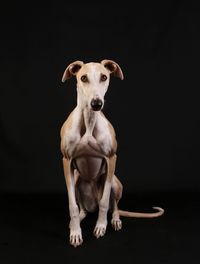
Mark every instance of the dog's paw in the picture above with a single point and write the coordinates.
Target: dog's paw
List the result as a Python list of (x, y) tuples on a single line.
[(75, 238), (100, 230), (116, 224)]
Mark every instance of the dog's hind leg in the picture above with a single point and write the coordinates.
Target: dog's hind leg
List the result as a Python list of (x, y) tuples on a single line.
[(116, 196), (83, 212)]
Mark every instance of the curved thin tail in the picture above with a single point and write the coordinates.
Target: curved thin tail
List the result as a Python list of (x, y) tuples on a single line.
[(159, 212)]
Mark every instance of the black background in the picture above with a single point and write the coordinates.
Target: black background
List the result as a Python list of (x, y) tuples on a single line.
[(154, 110)]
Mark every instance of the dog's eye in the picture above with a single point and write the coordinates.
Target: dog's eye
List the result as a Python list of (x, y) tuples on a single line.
[(103, 77), (84, 78)]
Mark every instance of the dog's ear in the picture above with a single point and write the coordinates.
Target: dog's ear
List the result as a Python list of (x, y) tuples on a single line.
[(113, 67), (72, 69)]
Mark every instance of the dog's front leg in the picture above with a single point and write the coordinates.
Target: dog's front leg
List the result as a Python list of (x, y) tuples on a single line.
[(101, 224), (75, 229)]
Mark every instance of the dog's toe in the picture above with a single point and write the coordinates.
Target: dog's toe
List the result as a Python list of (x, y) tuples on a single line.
[(100, 230), (116, 224), (76, 238)]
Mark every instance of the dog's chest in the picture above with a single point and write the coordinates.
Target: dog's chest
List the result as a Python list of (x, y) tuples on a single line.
[(88, 150), (102, 135), (79, 143)]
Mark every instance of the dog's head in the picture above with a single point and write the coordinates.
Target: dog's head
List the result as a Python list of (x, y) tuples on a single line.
[(92, 81)]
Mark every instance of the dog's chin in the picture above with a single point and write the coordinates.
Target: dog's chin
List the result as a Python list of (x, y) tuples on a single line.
[(96, 109)]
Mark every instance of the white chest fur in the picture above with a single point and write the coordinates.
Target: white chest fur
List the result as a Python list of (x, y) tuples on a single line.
[(96, 140)]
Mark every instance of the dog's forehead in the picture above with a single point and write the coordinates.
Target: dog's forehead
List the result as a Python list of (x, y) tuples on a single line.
[(92, 68)]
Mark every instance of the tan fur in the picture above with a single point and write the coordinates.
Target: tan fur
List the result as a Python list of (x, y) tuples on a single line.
[(89, 145)]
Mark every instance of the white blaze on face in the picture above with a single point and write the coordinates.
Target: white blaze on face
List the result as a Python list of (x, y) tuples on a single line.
[(92, 82)]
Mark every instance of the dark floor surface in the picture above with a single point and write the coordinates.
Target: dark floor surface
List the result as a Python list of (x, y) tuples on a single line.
[(34, 229)]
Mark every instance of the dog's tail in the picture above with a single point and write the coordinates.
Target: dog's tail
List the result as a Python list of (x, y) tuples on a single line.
[(159, 212)]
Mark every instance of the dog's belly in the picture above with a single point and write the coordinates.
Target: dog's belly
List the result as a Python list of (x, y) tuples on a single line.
[(89, 167)]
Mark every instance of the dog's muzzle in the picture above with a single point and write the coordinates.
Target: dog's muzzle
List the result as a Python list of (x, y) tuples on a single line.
[(96, 104)]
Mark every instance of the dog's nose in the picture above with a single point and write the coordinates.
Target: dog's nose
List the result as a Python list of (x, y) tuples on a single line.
[(96, 104)]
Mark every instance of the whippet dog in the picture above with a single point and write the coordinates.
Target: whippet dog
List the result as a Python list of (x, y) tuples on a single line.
[(89, 146)]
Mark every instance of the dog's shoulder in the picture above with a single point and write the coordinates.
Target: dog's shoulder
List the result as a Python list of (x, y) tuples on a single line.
[(67, 124), (112, 133), (110, 126)]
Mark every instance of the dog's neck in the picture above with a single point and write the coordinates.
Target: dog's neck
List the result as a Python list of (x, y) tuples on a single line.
[(89, 117)]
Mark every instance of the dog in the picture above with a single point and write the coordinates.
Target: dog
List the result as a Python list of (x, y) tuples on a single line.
[(88, 146)]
